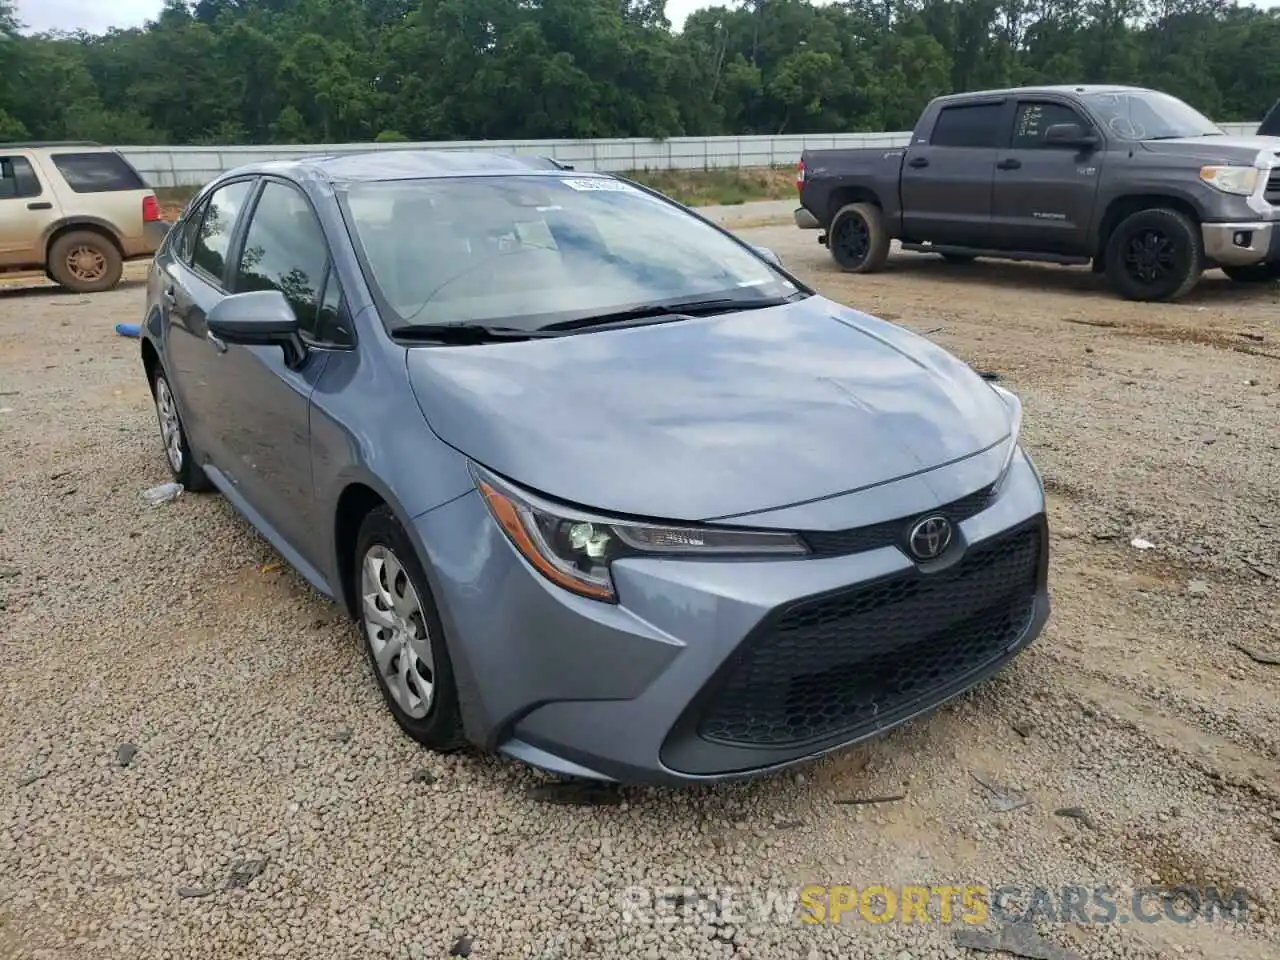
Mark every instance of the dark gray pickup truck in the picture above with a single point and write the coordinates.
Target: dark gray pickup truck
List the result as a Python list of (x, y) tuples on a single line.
[(1135, 182)]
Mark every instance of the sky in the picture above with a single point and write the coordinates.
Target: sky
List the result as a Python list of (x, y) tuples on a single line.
[(97, 16)]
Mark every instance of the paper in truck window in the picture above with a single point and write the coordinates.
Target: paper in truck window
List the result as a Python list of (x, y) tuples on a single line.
[(599, 183)]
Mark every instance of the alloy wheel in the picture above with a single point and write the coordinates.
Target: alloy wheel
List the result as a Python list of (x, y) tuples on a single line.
[(852, 240), (170, 426), (397, 632), (1150, 257)]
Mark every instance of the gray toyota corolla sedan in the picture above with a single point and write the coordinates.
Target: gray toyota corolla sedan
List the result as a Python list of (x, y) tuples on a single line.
[(605, 488)]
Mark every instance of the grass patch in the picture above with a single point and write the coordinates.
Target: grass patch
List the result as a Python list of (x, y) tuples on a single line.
[(722, 187)]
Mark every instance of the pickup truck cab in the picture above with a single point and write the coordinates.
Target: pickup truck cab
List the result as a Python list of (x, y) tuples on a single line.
[(1135, 182)]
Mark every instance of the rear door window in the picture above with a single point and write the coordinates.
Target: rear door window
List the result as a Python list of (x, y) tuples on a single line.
[(102, 172), (213, 239), (975, 125), (18, 179)]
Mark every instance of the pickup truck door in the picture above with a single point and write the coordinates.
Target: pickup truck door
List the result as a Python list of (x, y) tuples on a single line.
[(948, 173), (1045, 194)]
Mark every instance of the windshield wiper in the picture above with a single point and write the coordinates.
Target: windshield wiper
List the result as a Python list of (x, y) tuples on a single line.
[(666, 312), (466, 333)]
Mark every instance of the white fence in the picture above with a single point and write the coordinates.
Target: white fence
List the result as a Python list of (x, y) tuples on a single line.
[(193, 166)]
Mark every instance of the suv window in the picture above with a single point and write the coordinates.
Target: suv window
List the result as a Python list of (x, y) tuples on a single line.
[(285, 250), (968, 125), (1035, 118), (18, 179), (101, 172), (213, 239)]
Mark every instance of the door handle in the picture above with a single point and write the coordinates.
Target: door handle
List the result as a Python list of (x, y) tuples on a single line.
[(918, 162), (40, 205), (1010, 164), (218, 345), (170, 294)]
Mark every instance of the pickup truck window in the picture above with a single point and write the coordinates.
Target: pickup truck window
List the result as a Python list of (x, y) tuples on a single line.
[(1035, 117), (968, 125)]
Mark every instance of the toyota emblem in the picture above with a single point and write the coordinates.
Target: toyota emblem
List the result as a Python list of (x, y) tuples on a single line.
[(930, 538)]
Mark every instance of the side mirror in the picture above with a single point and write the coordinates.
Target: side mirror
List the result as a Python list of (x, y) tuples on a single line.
[(768, 255), (1070, 135), (261, 318)]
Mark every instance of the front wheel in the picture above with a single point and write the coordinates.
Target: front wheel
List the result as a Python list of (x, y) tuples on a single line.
[(403, 635), (857, 238), (1155, 255), (1254, 273)]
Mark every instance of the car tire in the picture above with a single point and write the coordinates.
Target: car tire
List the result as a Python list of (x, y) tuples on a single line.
[(183, 463), (1254, 273), (85, 261), (958, 258), (404, 636), (857, 238), (1155, 255)]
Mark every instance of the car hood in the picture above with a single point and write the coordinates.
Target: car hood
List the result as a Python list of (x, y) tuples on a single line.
[(1229, 149), (710, 418)]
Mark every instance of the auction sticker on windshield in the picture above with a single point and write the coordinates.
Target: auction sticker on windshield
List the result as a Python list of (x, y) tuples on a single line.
[(591, 183)]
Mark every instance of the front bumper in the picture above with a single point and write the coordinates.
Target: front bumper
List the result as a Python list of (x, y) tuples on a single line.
[(1242, 243), (716, 670)]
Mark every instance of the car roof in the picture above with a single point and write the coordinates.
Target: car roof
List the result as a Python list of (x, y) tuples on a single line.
[(1079, 89), (402, 164)]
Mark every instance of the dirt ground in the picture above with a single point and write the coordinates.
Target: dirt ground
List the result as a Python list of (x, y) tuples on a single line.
[(272, 808)]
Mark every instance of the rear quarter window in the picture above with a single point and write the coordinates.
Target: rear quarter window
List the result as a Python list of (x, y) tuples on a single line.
[(103, 172)]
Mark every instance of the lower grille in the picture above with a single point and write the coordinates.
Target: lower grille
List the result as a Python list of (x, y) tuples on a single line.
[(849, 661)]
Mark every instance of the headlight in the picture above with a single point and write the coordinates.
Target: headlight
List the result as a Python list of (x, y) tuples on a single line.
[(1238, 180), (574, 549), (1015, 429)]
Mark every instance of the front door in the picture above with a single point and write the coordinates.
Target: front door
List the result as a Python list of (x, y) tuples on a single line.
[(1045, 194), (264, 405), (947, 182)]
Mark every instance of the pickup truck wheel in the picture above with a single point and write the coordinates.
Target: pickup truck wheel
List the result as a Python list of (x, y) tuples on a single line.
[(1254, 273), (857, 238), (1155, 255)]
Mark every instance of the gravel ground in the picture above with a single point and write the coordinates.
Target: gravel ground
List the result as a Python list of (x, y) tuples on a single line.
[(197, 764)]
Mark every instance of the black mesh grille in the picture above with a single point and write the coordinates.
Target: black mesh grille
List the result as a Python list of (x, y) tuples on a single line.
[(1272, 192), (890, 532), (850, 661)]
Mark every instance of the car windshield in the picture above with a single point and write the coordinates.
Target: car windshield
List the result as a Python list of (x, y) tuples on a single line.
[(1147, 115), (527, 251)]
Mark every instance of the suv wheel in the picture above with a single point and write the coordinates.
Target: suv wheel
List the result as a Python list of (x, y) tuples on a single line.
[(1254, 273), (857, 238), (1155, 255), (403, 635), (85, 262), (183, 464)]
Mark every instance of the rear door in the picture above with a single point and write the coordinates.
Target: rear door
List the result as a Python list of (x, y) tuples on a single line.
[(28, 209), (948, 176), (1045, 195), (105, 186), (194, 281)]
